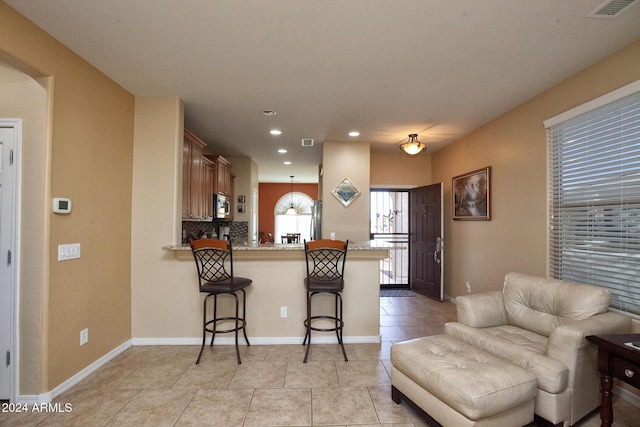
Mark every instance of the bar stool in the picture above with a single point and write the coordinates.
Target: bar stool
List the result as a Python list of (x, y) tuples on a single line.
[(325, 261), (214, 261)]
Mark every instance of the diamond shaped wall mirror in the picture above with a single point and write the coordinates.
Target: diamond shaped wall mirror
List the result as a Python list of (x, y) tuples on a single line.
[(346, 192)]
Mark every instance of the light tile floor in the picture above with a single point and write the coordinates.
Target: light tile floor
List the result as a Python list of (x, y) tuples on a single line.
[(161, 385)]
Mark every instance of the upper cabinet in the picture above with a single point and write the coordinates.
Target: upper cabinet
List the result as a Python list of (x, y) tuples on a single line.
[(208, 179), (223, 175), (192, 177), (202, 177)]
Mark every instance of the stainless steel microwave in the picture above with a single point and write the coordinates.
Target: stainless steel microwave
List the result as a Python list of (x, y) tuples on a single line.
[(221, 207)]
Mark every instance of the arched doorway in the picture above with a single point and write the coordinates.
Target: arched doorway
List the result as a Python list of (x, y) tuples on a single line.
[(26, 99), (298, 222)]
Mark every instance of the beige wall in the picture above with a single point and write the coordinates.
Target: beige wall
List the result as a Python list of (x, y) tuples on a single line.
[(156, 220), (514, 145), (345, 160), (91, 132), (389, 169)]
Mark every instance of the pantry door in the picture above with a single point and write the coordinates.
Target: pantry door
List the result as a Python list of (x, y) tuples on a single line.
[(426, 241), (10, 134)]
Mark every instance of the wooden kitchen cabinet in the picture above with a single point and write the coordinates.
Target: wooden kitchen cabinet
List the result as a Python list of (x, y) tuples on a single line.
[(208, 184), (193, 204), (202, 177), (223, 184)]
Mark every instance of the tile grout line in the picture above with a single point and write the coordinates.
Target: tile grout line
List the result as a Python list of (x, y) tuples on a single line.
[(186, 406)]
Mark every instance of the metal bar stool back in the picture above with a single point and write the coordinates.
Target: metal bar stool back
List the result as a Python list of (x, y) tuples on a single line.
[(214, 262), (325, 261)]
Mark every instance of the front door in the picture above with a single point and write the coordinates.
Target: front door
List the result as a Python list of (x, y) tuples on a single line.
[(426, 241), (390, 224), (10, 131)]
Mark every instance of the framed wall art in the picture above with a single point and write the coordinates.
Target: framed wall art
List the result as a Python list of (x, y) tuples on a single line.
[(346, 192), (471, 199)]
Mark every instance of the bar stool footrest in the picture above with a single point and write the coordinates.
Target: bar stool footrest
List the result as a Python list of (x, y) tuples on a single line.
[(332, 318), (241, 325)]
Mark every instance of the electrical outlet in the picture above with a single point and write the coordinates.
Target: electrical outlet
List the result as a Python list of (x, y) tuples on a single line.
[(468, 287), (84, 336), (283, 311)]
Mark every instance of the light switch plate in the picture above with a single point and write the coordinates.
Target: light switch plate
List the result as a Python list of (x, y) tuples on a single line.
[(70, 251)]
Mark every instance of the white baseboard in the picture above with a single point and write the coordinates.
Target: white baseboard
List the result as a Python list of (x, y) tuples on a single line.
[(256, 341), (50, 395)]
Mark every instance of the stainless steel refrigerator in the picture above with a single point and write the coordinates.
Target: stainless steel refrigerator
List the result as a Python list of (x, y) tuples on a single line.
[(316, 220)]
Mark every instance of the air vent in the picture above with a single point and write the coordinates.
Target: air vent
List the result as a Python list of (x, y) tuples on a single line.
[(307, 142), (611, 9)]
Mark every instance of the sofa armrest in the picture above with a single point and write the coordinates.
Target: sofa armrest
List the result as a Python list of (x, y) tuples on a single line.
[(481, 310), (569, 338), (567, 343)]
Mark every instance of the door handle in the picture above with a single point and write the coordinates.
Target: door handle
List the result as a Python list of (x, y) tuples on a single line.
[(438, 250)]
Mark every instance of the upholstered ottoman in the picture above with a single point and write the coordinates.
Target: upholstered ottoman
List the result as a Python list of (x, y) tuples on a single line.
[(458, 385)]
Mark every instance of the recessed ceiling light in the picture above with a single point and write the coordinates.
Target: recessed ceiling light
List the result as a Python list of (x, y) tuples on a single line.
[(287, 163), (275, 132), (268, 112), (282, 151), (354, 133)]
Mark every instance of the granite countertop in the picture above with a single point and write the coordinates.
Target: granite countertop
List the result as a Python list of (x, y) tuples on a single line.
[(367, 245)]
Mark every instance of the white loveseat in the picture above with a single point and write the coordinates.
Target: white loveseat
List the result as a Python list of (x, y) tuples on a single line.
[(540, 324)]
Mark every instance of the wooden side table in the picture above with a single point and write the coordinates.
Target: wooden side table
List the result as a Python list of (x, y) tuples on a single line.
[(615, 360)]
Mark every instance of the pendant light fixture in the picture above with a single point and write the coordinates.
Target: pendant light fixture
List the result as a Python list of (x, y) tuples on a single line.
[(413, 146), (291, 210)]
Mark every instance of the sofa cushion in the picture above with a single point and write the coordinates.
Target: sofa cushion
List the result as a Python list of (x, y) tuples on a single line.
[(540, 304), (473, 382), (518, 346)]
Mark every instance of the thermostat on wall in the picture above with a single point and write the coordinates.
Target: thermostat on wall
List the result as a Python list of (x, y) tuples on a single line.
[(61, 205)]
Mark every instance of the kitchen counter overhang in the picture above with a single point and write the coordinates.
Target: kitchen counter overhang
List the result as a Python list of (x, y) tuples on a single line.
[(370, 249)]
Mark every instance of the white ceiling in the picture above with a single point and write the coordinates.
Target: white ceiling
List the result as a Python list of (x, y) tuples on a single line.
[(439, 68)]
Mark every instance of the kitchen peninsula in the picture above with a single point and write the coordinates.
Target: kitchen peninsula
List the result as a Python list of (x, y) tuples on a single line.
[(277, 271)]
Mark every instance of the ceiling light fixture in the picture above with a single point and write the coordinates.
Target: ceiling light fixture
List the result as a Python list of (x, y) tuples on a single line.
[(287, 163), (269, 112), (354, 133), (413, 146), (291, 210), (275, 132), (282, 151)]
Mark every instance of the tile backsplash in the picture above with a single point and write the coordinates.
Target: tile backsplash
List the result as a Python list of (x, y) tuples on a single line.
[(238, 230)]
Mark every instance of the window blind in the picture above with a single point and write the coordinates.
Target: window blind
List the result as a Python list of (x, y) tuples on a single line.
[(594, 199)]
